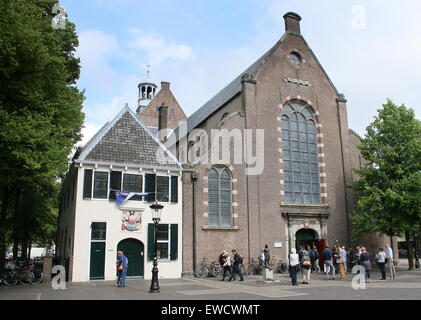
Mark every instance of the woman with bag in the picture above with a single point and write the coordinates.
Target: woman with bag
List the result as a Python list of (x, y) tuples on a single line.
[(306, 267)]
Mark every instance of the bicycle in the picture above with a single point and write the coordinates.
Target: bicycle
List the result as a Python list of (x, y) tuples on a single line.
[(26, 275), (206, 269), (253, 268)]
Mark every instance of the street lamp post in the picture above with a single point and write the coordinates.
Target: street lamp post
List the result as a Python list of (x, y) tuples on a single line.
[(156, 218)]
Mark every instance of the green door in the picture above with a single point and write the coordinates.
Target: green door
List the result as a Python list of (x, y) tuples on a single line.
[(97, 261), (134, 251)]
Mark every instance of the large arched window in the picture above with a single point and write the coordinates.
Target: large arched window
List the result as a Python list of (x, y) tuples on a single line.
[(220, 197), (300, 153)]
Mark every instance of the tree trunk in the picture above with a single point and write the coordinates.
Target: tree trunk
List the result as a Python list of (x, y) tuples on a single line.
[(25, 245), (16, 223), (410, 253), (3, 216), (417, 262), (29, 248)]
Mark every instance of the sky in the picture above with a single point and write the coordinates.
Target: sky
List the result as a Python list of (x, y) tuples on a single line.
[(371, 49)]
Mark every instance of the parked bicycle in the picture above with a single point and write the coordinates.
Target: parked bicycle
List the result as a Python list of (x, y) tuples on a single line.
[(206, 269), (23, 273)]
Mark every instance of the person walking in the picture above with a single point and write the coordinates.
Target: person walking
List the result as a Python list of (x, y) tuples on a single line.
[(316, 260), (236, 261), (306, 267), (390, 261), (226, 265), (351, 259), (341, 262), (294, 262), (122, 266), (381, 261), (328, 263), (366, 263), (300, 256)]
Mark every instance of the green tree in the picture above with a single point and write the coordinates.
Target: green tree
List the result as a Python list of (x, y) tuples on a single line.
[(40, 105), (388, 190)]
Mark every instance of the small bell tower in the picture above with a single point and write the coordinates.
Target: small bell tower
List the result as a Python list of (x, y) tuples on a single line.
[(147, 90)]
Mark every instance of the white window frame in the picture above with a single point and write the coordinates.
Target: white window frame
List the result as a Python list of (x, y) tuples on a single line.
[(169, 187), (93, 185), (143, 183)]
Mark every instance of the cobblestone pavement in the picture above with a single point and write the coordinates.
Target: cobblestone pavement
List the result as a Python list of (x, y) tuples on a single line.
[(407, 286)]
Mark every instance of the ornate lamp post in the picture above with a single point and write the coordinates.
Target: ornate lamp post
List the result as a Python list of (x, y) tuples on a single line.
[(156, 218)]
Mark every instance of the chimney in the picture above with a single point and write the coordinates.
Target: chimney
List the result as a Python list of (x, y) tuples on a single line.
[(292, 23), (165, 85), (162, 123)]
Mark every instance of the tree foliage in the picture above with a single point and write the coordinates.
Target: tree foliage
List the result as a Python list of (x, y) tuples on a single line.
[(40, 109), (389, 188)]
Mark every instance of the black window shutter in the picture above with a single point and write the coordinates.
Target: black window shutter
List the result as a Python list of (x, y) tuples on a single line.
[(151, 241), (87, 184), (150, 186), (115, 183), (174, 242), (174, 189)]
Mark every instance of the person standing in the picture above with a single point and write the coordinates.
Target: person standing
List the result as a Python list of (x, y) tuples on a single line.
[(381, 261), (267, 255), (390, 261), (366, 263), (346, 259), (122, 266), (294, 262), (306, 267), (341, 262), (226, 264), (236, 261), (300, 256), (328, 263)]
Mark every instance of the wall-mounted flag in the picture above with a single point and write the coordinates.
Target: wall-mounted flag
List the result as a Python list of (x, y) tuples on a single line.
[(121, 196)]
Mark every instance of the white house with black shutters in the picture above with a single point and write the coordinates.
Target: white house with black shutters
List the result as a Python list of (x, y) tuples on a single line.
[(122, 156)]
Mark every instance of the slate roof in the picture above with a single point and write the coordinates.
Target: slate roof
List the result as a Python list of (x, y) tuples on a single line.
[(127, 141)]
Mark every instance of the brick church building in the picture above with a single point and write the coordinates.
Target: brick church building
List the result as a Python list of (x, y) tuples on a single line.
[(300, 197)]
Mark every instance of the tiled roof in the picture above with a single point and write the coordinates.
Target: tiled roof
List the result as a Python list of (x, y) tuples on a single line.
[(127, 141)]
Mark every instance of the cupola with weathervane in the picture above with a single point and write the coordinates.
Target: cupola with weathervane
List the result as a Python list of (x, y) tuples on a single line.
[(147, 90)]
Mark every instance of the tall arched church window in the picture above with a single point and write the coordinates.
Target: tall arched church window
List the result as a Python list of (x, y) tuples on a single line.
[(220, 197), (300, 153)]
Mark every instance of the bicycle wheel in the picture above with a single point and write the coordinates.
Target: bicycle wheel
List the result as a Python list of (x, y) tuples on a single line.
[(10, 279), (217, 271), (250, 270), (24, 277), (37, 279), (201, 272)]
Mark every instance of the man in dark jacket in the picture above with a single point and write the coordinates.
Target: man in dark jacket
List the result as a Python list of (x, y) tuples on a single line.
[(237, 260), (328, 263)]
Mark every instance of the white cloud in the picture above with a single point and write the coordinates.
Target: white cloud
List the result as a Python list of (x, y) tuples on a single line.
[(157, 47), (95, 48)]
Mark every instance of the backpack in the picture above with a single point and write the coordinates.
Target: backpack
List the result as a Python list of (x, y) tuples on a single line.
[(239, 259)]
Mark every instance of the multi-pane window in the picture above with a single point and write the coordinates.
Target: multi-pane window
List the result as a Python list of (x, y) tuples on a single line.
[(99, 231), (100, 185), (133, 183), (163, 189), (300, 153), (163, 241), (220, 197)]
